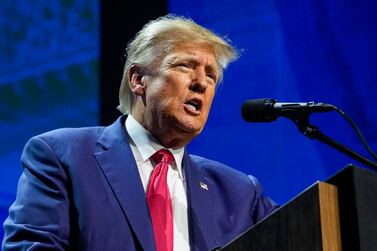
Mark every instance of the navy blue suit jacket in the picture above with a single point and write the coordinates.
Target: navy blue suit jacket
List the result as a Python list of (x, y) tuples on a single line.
[(80, 190)]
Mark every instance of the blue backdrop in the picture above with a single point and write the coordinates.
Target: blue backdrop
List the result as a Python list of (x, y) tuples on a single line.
[(48, 76), (292, 51), (315, 50)]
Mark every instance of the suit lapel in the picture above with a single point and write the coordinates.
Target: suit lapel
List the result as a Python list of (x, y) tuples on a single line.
[(201, 201), (118, 165)]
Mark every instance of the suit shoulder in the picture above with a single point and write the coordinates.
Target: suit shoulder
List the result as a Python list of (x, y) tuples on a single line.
[(219, 170), (66, 140), (71, 134)]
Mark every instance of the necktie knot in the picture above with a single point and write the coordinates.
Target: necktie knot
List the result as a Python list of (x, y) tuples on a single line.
[(163, 156)]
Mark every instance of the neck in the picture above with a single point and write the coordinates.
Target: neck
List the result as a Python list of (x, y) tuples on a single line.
[(173, 138)]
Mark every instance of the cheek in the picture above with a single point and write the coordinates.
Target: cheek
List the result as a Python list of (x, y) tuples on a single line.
[(156, 92), (173, 85), (178, 80), (209, 100), (162, 101)]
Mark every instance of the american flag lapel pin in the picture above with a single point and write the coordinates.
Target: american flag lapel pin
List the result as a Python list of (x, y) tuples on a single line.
[(203, 186)]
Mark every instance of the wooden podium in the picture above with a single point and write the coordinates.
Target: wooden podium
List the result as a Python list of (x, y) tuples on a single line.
[(339, 214)]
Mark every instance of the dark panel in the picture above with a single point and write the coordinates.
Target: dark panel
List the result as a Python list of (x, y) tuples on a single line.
[(296, 226), (357, 189), (120, 20)]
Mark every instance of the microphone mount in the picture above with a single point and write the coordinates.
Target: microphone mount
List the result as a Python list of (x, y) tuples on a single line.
[(313, 132)]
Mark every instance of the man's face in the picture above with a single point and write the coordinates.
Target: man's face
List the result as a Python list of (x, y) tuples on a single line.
[(178, 95)]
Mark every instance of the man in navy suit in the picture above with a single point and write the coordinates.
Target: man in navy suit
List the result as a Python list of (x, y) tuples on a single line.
[(85, 188)]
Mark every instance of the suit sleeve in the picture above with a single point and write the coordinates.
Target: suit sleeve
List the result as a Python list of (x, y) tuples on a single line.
[(39, 218), (263, 206)]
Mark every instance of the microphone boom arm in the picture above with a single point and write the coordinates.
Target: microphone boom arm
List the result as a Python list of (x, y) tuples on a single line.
[(313, 132)]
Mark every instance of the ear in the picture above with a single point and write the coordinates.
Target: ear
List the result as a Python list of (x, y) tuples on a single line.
[(136, 80)]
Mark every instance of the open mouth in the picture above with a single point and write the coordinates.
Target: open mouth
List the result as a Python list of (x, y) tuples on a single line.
[(194, 105)]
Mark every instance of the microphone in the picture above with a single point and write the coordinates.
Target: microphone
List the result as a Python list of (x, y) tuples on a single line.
[(268, 110)]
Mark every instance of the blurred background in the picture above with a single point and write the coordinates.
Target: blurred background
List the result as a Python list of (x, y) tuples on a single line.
[(61, 66)]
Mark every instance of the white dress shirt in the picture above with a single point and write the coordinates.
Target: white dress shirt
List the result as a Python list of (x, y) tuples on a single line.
[(143, 146)]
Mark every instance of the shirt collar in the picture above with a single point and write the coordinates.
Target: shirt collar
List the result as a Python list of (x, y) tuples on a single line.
[(147, 145)]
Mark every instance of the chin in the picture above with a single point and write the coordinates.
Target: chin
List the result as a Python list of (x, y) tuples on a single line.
[(194, 130), (183, 133), (185, 124)]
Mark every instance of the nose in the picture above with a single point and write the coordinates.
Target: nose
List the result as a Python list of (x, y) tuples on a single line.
[(199, 81)]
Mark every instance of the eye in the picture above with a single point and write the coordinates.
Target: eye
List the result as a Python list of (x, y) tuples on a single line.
[(183, 65), (212, 76)]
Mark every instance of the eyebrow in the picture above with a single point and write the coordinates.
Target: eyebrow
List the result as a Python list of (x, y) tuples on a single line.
[(195, 59)]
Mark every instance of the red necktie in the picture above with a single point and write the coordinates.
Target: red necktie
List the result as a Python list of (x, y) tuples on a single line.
[(159, 202)]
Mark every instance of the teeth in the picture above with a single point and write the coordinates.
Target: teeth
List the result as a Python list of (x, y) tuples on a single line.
[(192, 107)]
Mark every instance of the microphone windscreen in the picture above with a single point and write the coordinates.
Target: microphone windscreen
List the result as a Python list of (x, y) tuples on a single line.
[(258, 110)]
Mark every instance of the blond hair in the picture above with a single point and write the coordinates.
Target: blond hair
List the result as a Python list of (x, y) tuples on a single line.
[(158, 38)]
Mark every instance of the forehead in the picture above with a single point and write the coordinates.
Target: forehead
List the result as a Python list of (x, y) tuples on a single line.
[(198, 52)]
